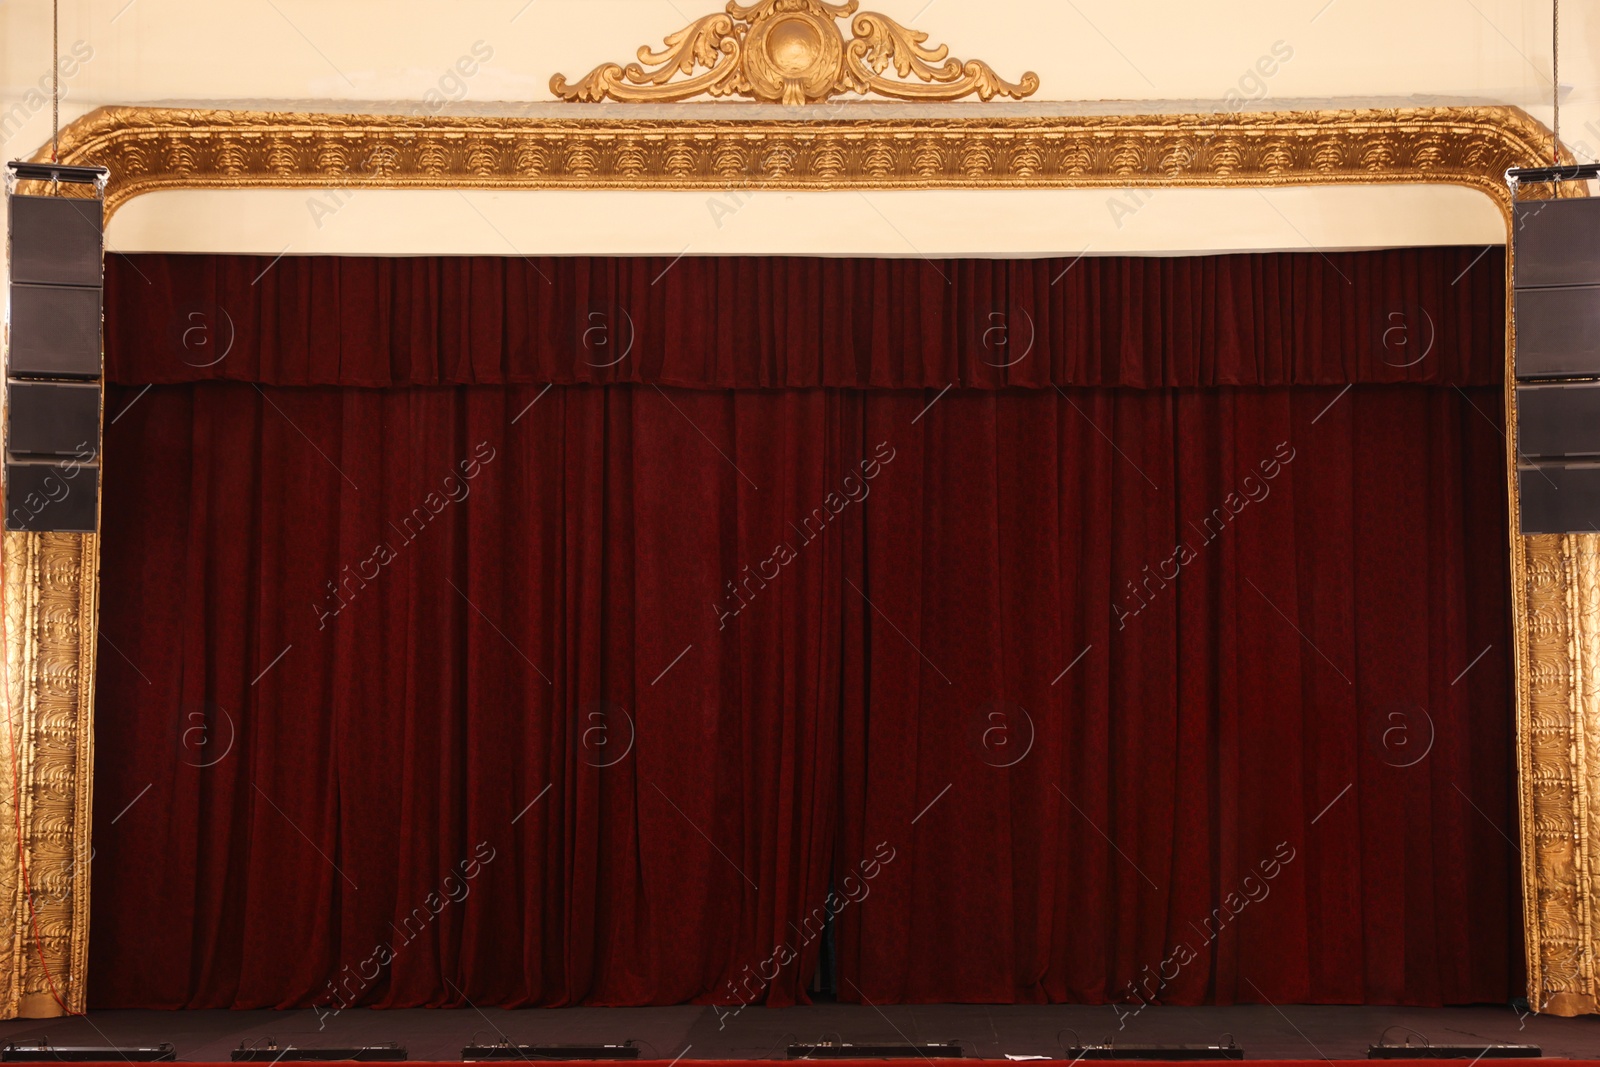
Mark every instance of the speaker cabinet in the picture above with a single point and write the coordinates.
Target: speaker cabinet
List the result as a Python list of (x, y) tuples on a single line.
[(1558, 332), (53, 362), (54, 419), (45, 496), (1558, 421), (1555, 269), (1557, 242), (55, 332), (1560, 498), (56, 240)]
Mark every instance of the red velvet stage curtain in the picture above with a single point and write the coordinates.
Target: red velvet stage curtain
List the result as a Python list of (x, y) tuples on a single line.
[(1270, 319), (1198, 696), (516, 693), (437, 675)]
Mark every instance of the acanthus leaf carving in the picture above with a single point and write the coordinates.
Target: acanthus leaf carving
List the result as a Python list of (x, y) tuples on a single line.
[(880, 42), (710, 42), (792, 52)]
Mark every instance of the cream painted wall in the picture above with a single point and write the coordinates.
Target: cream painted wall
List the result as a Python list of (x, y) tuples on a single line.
[(352, 53), (933, 224)]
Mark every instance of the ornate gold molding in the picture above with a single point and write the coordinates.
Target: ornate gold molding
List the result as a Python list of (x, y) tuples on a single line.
[(792, 52), (150, 149), (1560, 769), (51, 615), (1554, 584)]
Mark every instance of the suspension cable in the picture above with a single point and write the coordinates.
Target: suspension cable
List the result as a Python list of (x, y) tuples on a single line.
[(55, 81)]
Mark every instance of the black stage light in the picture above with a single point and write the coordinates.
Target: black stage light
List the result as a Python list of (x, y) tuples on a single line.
[(271, 1053), (1156, 1052), (47, 1053), (507, 1051), (842, 1050), (1454, 1052)]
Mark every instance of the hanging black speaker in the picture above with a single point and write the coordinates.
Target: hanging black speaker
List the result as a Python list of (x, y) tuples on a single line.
[(57, 240), (54, 419), (55, 331), (1555, 275), (55, 234), (52, 496)]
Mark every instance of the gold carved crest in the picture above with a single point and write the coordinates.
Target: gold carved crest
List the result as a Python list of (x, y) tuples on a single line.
[(793, 52)]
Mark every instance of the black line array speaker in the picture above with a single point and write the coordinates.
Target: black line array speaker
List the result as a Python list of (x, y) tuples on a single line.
[(53, 358), (1555, 275), (1560, 497), (55, 330), (1559, 421)]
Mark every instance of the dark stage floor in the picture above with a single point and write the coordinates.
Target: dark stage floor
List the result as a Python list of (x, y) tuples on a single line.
[(693, 1032)]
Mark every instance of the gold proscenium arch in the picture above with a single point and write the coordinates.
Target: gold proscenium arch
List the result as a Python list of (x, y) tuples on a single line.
[(52, 580)]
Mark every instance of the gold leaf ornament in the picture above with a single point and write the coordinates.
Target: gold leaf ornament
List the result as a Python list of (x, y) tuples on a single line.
[(711, 42), (793, 52), (880, 41)]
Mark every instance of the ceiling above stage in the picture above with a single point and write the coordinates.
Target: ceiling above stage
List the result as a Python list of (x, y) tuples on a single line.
[(1095, 56)]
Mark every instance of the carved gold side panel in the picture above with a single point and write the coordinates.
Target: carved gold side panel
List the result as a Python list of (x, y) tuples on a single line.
[(1550, 738), (1556, 581), (46, 783), (1561, 768)]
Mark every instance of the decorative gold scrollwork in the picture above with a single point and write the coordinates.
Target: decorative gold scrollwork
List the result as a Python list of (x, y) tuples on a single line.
[(793, 52)]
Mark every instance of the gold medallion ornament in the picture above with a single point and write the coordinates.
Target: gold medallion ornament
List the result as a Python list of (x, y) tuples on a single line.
[(793, 52)]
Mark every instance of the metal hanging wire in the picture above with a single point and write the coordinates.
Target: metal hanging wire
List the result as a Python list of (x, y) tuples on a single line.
[(1555, 78), (55, 81)]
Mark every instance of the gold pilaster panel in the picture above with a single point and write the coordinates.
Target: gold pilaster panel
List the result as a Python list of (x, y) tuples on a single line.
[(52, 580), (51, 618), (1561, 769)]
